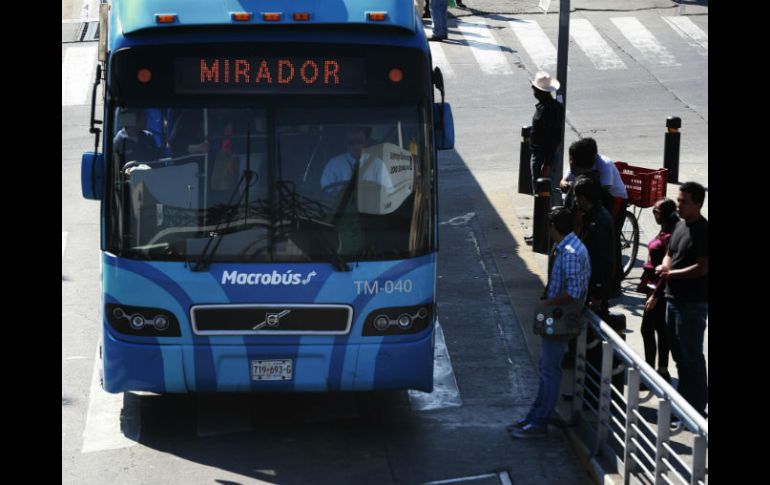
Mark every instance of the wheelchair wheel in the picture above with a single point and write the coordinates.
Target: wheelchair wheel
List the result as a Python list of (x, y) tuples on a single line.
[(629, 242)]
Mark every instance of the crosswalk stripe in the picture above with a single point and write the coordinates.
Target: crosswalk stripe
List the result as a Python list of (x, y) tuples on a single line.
[(104, 429), (439, 57), (484, 47), (690, 32), (641, 38), (538, 46), (594, 46), (63, 243), (77, 73)]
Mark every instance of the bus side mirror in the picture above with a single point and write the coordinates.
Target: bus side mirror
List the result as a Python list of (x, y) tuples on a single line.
[(444, 126), (92, 175)]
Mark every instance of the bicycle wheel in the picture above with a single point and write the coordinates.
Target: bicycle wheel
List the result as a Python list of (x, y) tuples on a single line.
[(629, 242)]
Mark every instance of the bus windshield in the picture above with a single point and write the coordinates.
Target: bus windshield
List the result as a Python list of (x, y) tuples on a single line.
[(273, 184)]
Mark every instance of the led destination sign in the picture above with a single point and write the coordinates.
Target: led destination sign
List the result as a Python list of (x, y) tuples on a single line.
[(254, 75)]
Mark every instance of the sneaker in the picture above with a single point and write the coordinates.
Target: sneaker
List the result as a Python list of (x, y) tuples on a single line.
[(529, 431), (461, 5), (437, 38), (426, 15), (518, 424)]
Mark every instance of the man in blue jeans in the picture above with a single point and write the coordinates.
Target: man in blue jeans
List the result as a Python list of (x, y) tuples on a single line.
[(568, 282), (438, 11), (685, 268)]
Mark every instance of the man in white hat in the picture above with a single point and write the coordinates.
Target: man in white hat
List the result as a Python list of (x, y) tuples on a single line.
[(546, 126)]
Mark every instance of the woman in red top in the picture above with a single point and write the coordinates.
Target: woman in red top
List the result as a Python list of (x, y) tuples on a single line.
[(654, 318)]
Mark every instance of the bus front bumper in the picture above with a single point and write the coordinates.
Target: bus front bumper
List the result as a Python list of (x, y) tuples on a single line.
[(232, 368)]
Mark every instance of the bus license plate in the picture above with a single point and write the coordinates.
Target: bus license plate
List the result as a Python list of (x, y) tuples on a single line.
[(271, 370)]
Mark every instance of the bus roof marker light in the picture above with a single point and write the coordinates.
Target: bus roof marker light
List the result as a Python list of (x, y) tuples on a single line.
[(241, 16), (377, 16), (165, 18), (144, 75), (301, 16), (396, 75), (271, 16)]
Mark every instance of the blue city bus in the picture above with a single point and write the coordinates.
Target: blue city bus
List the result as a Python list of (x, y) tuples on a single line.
[(268, 195)]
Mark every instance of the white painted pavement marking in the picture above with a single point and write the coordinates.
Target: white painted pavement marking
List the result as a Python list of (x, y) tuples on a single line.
[(459, 220), (445, 392), (484, 47), (77, 74), (504, 478), (538, 46), (690, 32), (439, 57), (89, 9), (103, 420), (63, 243), (594, 46), (641, 38)]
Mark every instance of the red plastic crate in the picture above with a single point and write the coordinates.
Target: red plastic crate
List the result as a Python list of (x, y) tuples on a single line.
[(645, 186)]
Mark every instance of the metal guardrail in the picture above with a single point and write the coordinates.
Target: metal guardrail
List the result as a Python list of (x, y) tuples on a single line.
[(643, 450)]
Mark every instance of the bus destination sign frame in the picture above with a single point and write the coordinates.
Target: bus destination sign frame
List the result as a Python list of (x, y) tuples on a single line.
[(271, 74)]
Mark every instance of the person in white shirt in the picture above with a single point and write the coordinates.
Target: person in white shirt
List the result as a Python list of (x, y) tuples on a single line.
[(584, 158), (339, 169), (336, 183), (609, 176)]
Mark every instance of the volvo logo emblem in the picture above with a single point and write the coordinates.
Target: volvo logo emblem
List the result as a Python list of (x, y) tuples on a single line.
[(272, 319)]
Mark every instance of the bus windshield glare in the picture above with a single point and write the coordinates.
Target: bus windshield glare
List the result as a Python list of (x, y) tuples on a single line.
[(292, 184)]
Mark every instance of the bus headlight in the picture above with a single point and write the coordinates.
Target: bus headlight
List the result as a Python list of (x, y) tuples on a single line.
[(137, 322), (381, 323), (160, 323), (141, 321), (405, 321), (398, 320)]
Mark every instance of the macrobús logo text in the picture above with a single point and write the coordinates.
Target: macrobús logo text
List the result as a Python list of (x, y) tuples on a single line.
[(289, 278)]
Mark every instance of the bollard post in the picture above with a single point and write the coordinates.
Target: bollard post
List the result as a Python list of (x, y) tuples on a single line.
[(671, 148), (525, 169), (540, 235)]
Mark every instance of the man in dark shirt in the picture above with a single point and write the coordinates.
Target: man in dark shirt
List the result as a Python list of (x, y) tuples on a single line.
[(133, 142), (545, 135), (685, 269), (598, 236)]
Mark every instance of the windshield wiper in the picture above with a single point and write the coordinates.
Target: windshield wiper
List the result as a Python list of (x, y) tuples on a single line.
[(300, 211), (215, 236), (206, 256)]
